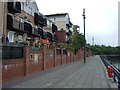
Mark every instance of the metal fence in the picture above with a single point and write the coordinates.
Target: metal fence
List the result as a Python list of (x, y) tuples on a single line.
[(10, 52), (116, 72)]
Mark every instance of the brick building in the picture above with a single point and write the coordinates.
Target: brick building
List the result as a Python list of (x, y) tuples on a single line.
[(23, 23)]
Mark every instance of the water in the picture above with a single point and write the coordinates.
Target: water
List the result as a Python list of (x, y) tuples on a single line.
[(115, 61)]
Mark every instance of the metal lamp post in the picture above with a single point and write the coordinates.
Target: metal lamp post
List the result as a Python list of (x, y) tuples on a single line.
[(84, 35)]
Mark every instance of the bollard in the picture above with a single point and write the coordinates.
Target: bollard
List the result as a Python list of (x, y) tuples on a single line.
[(109, 70)]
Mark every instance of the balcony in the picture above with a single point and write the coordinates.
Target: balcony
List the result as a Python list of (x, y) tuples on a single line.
[(42, 34), (69, 32), (69, 24), (15, 25), (36, 32), (9, 22), (27, 27), (54, 28), (45, 22), (54, 38), (14, 7), (38, 19), (49, 36)]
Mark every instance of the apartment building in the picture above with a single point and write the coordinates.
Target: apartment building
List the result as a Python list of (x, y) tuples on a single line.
[(62, 21), (23, 23)]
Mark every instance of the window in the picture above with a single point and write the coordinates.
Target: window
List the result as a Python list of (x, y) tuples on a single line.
[(64, 52), (35, 30), (30, 11), (22, 6), (58, 51), (11, 36)]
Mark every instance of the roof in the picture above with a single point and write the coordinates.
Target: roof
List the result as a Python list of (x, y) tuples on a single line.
[(58, 14)]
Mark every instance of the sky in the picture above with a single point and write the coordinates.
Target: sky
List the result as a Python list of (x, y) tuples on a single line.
[(101, 17)]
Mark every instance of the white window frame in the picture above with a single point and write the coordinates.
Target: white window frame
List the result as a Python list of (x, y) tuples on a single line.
[(11, 36)]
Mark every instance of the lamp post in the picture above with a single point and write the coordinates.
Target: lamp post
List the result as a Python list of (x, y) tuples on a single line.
[(84, 35)]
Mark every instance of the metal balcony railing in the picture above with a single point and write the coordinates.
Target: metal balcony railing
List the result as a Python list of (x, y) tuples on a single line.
[(18, 25), (11, 52)]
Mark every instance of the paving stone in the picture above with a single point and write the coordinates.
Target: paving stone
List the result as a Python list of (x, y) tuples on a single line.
[(73, 75)]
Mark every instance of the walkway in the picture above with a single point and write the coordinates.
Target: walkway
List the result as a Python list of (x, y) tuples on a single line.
[(72, 75)]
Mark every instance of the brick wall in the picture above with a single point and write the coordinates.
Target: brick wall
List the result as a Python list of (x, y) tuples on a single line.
[(49, 61), (61, 36), (12, 69), (68, 57), (58, 57), (37, 60)]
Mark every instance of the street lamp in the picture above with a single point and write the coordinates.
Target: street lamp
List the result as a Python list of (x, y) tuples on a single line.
[(84, 35)]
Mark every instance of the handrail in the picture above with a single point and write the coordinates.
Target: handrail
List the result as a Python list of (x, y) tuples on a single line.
[(116, 72)]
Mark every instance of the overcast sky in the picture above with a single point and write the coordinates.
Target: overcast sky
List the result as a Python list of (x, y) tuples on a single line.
[(101, 17)]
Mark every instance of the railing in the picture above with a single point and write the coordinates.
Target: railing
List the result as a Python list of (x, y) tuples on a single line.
[(116, 72), (14, 7), (11, 52), (39, 19), (18, 25), (54, 28)]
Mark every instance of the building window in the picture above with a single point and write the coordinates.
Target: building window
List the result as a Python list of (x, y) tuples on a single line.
[(22, 6), (11, 36), (35, 30), (20, 23), (30, 11)]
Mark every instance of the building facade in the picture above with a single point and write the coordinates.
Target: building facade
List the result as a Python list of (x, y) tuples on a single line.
[(23, 23), (62, 21)]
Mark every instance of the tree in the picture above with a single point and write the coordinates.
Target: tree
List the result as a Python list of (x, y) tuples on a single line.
[(101, 50), (76, 42)]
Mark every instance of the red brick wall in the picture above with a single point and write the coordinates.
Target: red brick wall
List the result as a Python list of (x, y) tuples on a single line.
[(72, 56), (49, 58), (35, 65), (36, 61), (68, 57), (58, 58), (64, 57), (61, 36), (12, 69)]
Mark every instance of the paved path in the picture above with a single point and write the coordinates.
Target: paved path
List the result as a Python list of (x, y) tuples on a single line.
[(72, 75)]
